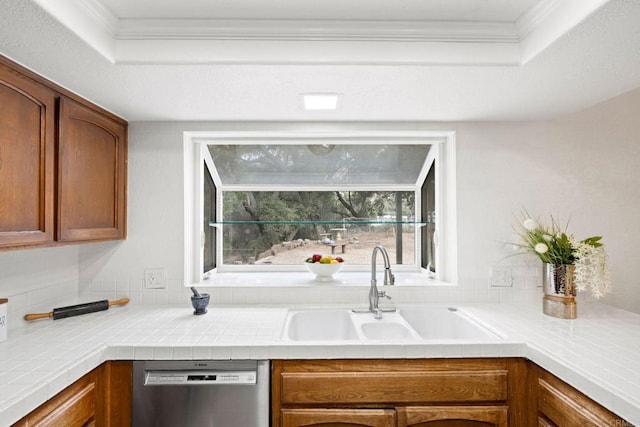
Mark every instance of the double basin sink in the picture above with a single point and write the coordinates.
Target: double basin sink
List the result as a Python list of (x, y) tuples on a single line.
[(414, 324)]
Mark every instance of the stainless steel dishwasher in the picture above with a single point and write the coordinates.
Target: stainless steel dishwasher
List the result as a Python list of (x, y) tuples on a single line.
[(201, 393)]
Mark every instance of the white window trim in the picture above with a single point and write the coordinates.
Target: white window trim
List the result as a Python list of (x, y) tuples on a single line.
[(444, 155)]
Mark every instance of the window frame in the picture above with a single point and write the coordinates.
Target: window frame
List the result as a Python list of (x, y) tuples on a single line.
[(442, 155)]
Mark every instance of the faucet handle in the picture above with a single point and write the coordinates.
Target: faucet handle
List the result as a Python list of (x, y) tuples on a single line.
[(383, 294)]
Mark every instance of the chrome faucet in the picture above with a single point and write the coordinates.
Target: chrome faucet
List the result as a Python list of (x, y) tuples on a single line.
[(389, 279)]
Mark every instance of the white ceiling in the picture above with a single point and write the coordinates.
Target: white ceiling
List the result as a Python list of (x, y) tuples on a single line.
[(427, 60)]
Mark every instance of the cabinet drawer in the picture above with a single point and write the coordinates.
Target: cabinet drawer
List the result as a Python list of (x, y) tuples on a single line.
[(338, 417), (396, 387)]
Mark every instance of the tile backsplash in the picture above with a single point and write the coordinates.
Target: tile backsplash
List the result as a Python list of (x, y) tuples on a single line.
[(40, 300), (37, 281), (468, 290)]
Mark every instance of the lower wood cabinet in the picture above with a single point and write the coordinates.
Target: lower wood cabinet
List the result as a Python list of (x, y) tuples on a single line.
[(496, 392), (73, 406), (100, 398), (452, 416), (338, 417), (427, 392), (415, 416), (559, 404)]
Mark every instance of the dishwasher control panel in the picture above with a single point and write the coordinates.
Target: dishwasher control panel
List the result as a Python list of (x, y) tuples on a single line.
[(163, 378)]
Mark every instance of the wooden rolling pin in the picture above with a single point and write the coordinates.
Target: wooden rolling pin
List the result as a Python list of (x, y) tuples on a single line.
[(76, 310)]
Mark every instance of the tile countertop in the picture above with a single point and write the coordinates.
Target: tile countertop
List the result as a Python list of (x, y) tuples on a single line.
[(598, 353)]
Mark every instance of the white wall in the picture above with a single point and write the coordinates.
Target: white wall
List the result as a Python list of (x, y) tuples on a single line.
[(581, 168), (38, 280), (584, 167)]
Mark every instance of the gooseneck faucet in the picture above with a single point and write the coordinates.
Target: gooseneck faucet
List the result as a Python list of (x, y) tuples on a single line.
[(389, 279)]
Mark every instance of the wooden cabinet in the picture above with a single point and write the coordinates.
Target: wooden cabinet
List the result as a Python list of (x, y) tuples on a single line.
[(114, 398), (430, 392), (559, 404), (63, 165), (92, 153), (27, 132), (73, 406), (338, 418), (100, 398), (452, 416)]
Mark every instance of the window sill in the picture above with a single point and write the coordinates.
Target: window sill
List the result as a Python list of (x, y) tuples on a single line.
[(305, 279)]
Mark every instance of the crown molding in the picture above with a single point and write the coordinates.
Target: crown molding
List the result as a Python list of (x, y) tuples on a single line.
[(190, 41), (88, 19), (99, 14), (355, 42), (536, 16), (273, 52), (550, 20), (317, 30)]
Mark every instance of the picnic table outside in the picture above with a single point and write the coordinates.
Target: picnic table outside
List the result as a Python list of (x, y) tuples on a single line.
[(335, 244)]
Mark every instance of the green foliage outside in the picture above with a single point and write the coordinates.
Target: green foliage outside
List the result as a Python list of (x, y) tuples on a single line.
[(266, 218)]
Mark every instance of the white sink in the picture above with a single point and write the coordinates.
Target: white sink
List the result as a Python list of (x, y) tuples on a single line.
[(391, 327), (386, 331), (320, 325), (407, 324), (442, 323)]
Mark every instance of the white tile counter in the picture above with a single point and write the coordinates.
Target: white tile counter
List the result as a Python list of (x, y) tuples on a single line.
[(599, 353)]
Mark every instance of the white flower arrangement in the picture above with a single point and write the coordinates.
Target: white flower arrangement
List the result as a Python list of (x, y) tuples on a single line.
[(591, 269), (553, 246)]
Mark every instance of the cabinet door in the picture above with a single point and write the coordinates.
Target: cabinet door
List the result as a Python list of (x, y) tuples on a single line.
[(27, 117), (92, 155), (452, 416), (75, 406), (100, 398), (560, 404), (338, 418)]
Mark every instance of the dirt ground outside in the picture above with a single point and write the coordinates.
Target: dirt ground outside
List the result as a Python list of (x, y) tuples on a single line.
[(357, 250)]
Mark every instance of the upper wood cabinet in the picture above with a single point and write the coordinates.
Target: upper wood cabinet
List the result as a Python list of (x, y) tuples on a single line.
[(27, 132), (92, 153), (63, 165)]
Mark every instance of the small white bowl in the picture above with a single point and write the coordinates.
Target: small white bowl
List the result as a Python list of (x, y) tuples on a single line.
[(323, 272)]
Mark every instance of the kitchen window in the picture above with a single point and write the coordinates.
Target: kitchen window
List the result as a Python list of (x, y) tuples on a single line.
[(263, 201)]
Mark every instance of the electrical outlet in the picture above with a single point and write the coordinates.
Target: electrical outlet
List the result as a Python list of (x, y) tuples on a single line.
[(501, 277), (154, 278)]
